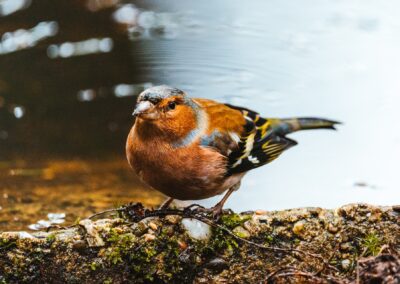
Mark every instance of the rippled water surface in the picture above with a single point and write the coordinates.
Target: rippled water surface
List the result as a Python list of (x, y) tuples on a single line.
[(334, 59)]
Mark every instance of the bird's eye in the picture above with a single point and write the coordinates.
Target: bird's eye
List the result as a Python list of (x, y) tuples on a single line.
[(171, 105)]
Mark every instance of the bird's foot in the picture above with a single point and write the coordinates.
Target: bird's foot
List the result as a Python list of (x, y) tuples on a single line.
[(217, 212)]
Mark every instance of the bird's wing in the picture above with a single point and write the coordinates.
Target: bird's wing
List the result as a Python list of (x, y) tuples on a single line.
[(246, 139), (225, 127), (260, 145)]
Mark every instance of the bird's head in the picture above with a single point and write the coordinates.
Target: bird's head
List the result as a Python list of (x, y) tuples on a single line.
[(161, 102), (168, 109)]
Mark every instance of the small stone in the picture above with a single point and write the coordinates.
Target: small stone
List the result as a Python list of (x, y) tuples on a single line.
[(25, 235), (252, 226), (298, 227), (241, 232), (118, 230), (173, 219), (93, 237), (182, 244), (149, 237), (168, 230), (345, 264), (79, 245), (396, 208), (139, 228), (345, 246), (260, 212), (217, 264), (196, 229), (375, 216), (153, 226), (332, 229)]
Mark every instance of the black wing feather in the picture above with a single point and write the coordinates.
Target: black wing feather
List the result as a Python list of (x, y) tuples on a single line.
[(260, 144)]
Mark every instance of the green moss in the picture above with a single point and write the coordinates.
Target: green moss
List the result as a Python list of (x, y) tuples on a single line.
[(6, 243), (94, 265), (121, 244), (372, 244), (233, 220), (51, 238), (241, 235), (222, 241), (108, 281)]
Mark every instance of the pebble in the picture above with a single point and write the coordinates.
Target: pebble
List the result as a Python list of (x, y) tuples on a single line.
[(260, 212), (298, 227), (345, 246), (332, 229), (217, 264), (182, 244), (173, 219), (346, 263), (25, 235), (153, 226), (196, 229), (241, 232), (79, 245), (149, 237), (139, 228)]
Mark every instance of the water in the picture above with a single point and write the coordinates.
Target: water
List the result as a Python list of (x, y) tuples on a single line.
[(334, 59)]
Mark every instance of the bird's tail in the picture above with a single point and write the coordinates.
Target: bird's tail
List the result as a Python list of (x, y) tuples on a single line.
[(289, 125)]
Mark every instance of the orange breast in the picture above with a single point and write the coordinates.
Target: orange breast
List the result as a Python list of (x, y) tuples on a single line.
[(187, 173)]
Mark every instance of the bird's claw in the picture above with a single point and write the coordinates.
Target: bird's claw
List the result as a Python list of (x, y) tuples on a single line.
[(194, 208), (216, 212)]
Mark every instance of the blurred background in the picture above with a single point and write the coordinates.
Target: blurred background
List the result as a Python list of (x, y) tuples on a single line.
[(70, 71)]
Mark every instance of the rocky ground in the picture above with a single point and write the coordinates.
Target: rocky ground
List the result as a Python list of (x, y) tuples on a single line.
[(356, 243)]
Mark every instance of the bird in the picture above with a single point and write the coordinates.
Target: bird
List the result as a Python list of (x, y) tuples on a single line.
[(196, 148)]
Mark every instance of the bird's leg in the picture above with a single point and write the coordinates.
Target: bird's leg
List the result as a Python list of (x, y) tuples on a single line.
[(166, 203), (217, 209)]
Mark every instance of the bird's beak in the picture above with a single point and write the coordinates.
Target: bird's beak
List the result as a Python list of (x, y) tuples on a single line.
[(145, 110)]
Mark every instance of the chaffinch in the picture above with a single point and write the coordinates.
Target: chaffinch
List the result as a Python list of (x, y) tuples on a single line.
[(192, 149)]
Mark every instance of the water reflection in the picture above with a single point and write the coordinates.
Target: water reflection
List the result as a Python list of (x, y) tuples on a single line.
[(332, 59), (8, 7), (22, 39), (90, 46)]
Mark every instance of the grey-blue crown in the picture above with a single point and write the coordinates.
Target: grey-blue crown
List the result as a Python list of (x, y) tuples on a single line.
[(158, 93)]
